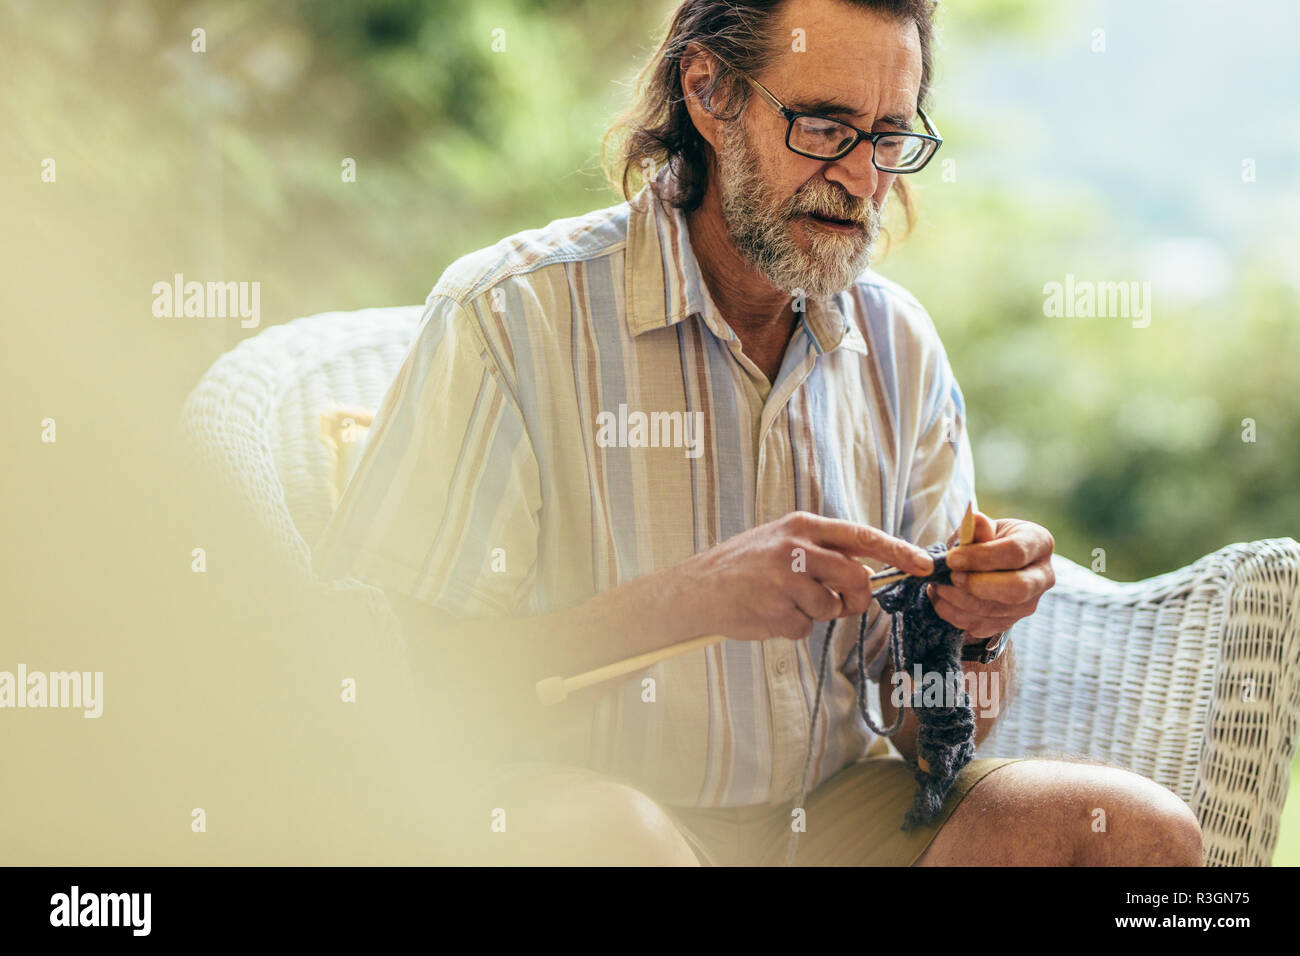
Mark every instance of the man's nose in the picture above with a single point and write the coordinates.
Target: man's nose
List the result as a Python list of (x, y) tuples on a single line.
[(855, 172)]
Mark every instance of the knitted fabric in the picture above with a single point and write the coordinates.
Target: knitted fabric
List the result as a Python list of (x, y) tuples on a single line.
[(946, 735)]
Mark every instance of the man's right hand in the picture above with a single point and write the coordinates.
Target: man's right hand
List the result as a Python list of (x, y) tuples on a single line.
[(780, 578)]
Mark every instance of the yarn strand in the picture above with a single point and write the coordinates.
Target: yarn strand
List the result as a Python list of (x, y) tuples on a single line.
[(918, 638), (792, 846)]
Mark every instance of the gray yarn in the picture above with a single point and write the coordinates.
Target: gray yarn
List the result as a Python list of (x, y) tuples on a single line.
[(946, 737)]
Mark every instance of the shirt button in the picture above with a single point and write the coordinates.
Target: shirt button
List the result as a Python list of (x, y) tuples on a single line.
[(782, 665)]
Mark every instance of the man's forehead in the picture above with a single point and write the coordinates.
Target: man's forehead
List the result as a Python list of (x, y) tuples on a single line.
[(832, 53)]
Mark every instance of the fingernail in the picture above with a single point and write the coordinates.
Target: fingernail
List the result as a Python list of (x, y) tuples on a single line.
[(956, 560)]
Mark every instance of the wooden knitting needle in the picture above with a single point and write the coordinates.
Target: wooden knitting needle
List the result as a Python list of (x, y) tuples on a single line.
[(966, 534), (553, 690), (887, 576)]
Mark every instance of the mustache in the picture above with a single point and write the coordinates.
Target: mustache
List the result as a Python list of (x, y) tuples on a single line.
[(835, 204)]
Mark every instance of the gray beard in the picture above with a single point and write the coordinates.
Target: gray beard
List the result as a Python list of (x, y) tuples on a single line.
[(761, 226)]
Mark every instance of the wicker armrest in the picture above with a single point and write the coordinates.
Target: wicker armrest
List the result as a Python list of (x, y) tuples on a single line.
[(1191, 678)]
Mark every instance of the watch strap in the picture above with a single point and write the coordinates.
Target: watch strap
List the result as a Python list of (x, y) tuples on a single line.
[(987, 650)]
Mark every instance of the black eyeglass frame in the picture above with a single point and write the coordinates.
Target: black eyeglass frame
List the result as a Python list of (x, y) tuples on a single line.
[(790, 115)]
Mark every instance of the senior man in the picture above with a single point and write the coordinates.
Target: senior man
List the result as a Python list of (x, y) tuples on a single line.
[(521, 536)]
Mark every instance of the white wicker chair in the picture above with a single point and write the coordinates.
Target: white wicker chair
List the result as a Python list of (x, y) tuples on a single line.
[(1191, 678)]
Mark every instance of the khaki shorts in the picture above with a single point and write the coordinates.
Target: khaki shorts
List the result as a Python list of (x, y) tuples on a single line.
[(852, 819)]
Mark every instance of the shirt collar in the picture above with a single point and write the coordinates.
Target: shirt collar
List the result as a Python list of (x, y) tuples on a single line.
[(664, 284)]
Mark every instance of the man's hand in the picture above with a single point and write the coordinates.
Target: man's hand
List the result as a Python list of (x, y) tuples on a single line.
[(778, 579), (998, 579)]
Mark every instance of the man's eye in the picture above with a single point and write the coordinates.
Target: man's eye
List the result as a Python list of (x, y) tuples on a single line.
[(821, 129), (820, 136)]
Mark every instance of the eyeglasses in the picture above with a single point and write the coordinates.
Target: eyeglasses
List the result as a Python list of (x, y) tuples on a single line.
[(820, 137)]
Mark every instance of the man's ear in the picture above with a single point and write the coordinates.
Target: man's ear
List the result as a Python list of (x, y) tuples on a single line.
[(699, 70)]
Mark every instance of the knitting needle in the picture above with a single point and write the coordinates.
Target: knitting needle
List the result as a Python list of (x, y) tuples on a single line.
[(553, 690), (966, 535), (887, 576)]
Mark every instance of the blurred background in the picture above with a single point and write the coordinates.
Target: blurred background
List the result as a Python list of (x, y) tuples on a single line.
[(1147, 141)]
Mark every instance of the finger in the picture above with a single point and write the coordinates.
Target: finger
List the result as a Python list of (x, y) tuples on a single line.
[(864, 541), (963, 615), (972, 604), (980, 607), (1007, 587), (796, 625), (844, 575), (981, 631), (976, 625), (816, 600), (1025, 545), (985, 529)]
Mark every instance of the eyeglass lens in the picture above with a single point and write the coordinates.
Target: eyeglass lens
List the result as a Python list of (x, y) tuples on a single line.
[(828, 139)]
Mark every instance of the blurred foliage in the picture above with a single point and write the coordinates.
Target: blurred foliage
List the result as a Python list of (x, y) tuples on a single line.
[(229, 161), (236, 153)]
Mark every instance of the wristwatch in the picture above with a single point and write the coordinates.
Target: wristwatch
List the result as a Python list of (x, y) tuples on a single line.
[(987, 650)]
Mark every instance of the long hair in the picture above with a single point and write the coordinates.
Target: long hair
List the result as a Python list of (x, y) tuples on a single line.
[(657, 129)]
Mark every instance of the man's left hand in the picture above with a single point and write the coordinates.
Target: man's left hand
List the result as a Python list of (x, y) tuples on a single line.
[(998, 579)]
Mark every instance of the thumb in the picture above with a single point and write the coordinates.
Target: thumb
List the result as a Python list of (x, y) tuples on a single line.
[(985, 527)]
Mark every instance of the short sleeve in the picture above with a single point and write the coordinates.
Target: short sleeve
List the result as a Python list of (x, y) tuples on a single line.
[(444, 504)]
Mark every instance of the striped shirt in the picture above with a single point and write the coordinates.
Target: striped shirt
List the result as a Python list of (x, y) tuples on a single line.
[(574, 413)]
